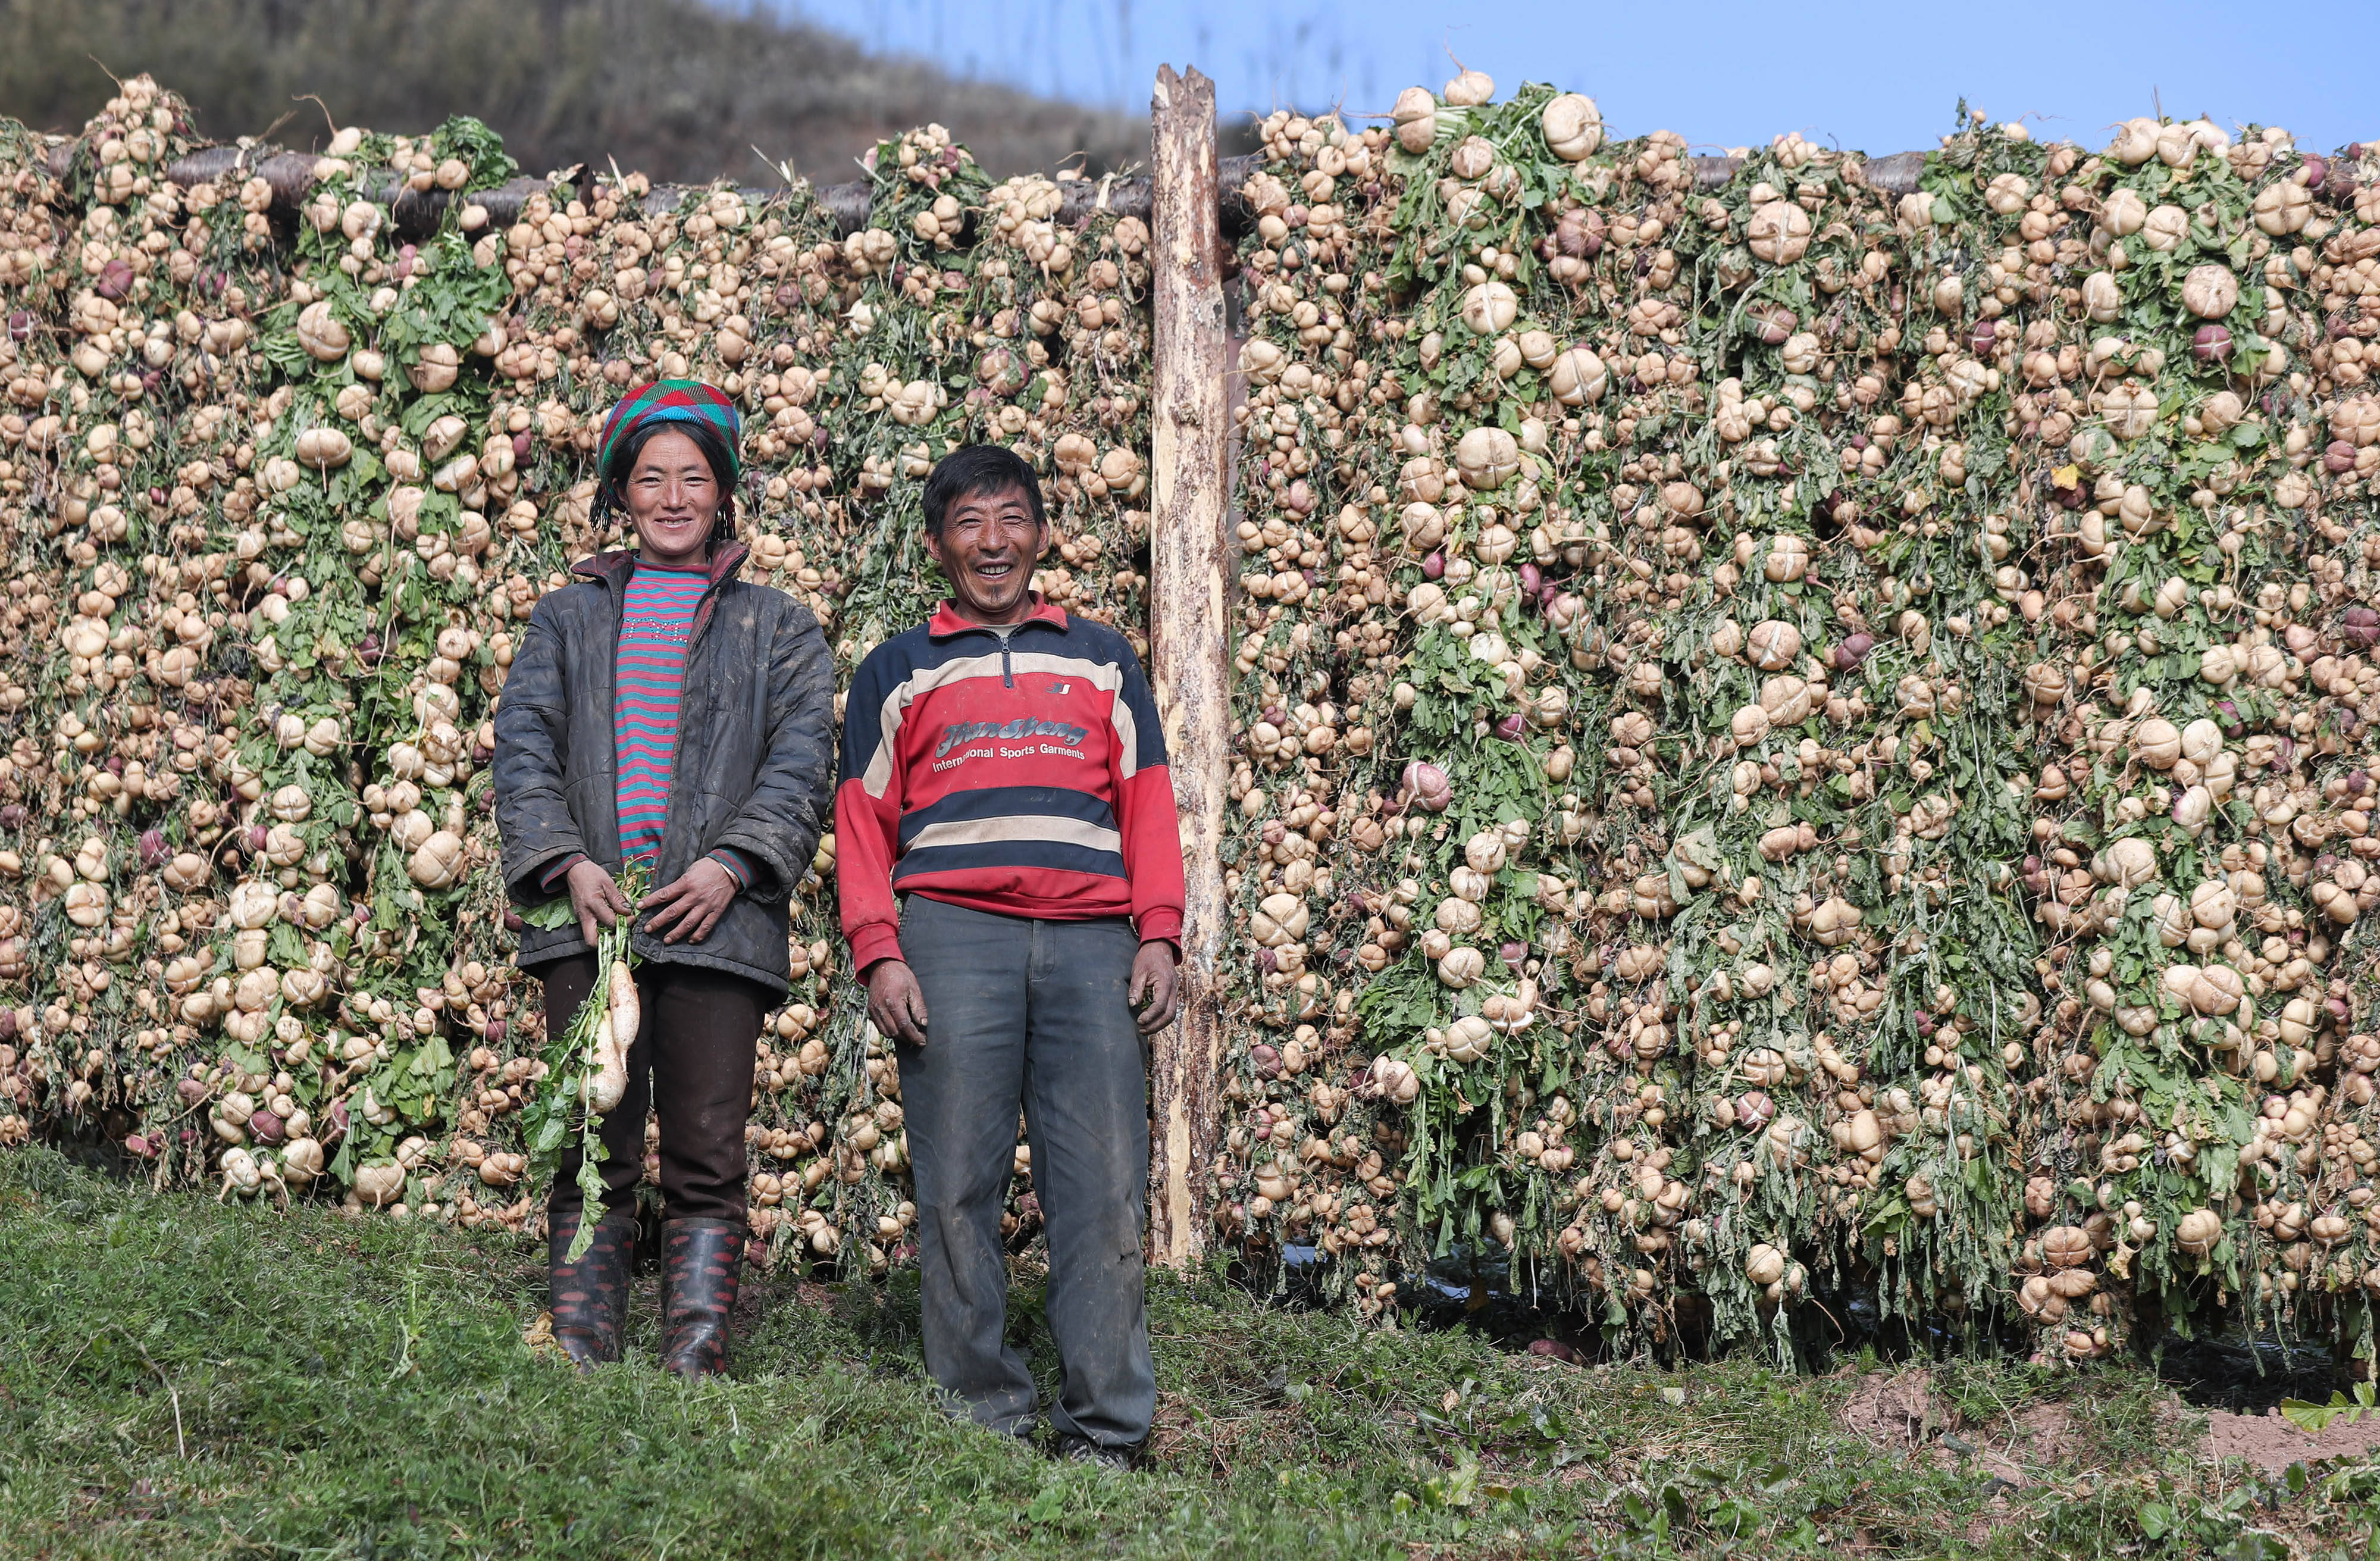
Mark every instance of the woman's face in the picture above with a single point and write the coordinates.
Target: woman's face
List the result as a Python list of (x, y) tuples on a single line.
[(672, 498)]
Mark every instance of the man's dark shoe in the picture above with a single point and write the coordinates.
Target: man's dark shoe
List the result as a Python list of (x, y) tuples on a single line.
[(700, 1260), (1083, 1450), (590, 1296)]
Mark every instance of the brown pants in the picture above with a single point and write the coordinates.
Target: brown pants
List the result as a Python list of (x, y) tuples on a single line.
[(692, 1064)]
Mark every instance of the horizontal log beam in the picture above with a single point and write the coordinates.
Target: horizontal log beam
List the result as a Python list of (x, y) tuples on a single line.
[(417, 212)]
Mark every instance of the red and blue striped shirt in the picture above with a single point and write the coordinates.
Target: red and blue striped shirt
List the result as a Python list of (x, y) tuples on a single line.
[(656, 622)]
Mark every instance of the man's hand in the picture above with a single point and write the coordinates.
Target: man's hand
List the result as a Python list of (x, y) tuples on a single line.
[(894, 1002), (1156, 990), (594, 899), (690, 907)]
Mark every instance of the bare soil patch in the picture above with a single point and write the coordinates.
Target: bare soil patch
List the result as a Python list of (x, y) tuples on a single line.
[(2271, 1442), (1901, 1412)]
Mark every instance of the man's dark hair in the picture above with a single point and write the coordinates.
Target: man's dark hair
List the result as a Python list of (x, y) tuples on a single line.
[(715, 455), (975, 469)]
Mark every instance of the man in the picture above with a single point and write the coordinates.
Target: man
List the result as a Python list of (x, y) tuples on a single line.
[(1003, 775)]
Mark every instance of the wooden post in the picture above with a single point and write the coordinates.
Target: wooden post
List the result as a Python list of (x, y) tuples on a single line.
[(1191, 489)]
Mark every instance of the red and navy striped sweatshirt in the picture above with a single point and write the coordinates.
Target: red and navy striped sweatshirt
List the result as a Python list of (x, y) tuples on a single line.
[(1023, 776)]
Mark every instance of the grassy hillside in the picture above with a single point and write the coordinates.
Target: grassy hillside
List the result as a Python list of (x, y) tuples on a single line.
[(681, 89), (179, 1378)]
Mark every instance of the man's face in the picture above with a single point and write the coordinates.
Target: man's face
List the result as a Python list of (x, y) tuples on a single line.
[(988, 547)]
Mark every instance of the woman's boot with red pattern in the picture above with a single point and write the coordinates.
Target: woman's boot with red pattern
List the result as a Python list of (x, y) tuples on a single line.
[(701, 1258), (590, 1296)]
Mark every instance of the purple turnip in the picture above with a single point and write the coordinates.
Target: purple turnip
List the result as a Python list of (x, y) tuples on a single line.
[(1426, 786)]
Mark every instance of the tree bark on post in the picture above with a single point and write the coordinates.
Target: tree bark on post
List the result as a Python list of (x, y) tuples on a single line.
[(1191, 489)]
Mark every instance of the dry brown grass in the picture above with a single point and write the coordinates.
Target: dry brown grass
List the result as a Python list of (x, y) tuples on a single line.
[(678, 88)]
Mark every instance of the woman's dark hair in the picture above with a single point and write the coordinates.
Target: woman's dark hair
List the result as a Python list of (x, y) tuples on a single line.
[(979, 469), (613, 492)]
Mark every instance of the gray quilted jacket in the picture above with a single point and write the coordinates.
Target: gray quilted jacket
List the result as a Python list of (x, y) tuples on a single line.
[(753, 769)]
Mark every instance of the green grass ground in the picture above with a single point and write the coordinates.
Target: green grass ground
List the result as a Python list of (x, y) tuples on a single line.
[(181, 1379)]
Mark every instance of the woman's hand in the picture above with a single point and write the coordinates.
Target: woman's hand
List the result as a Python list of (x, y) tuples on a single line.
[(594, 899), (1156, 990), (693, 904), (895, 1003)]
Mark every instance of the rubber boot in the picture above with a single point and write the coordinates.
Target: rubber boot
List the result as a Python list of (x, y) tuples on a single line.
[(590, 1296), (701, 1261)]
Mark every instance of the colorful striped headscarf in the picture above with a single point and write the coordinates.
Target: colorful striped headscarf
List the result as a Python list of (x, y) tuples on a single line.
[(671, 401)]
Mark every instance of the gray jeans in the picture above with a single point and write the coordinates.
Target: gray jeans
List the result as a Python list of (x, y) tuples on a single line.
[(1033, 1012)]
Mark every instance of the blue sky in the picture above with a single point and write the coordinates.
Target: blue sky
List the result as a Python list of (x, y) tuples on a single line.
[(1879, 78)]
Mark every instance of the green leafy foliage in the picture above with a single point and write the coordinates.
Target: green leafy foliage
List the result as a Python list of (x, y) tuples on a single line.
[(206, 1380)]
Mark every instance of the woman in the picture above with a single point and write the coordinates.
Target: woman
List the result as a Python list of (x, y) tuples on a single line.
[(661, 711)]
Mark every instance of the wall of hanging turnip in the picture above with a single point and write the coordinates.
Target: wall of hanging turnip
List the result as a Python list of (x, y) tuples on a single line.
[(1794, 727)]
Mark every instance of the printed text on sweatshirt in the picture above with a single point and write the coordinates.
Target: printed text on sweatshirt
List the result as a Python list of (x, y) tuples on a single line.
[(1022, 775)]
